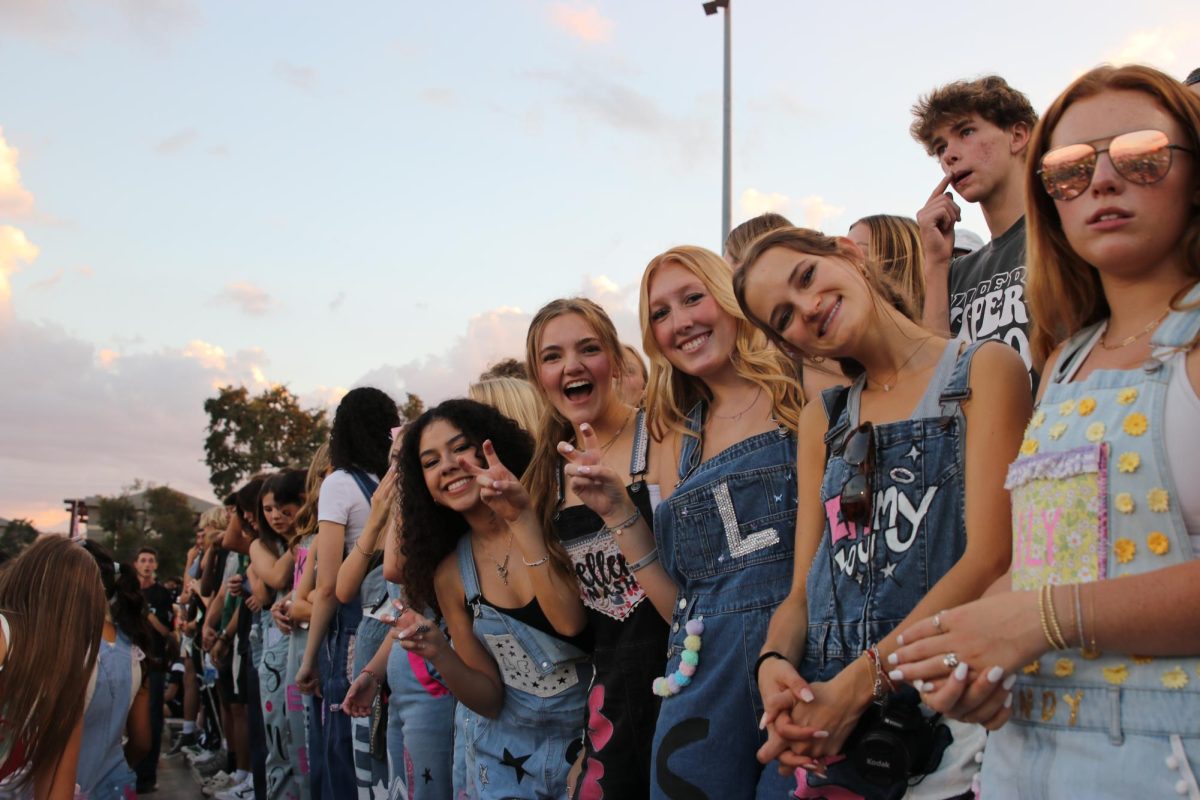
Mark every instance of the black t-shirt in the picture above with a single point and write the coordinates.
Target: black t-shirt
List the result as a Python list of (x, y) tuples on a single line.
[(987, 293), (159, 602)]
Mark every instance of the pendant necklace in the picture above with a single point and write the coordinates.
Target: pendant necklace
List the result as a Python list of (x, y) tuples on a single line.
[(887, 387), (604, 447), (740, 414), (501, 566), (1128, 340)]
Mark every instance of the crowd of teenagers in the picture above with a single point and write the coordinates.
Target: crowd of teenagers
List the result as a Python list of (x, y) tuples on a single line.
[(854, 532)]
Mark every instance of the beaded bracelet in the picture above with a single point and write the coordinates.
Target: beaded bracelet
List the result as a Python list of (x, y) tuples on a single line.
[(1058, 634), (689, 660), (620, 527)]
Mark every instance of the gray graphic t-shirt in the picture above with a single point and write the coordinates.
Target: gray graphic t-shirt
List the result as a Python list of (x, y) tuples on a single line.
[(987, 293)]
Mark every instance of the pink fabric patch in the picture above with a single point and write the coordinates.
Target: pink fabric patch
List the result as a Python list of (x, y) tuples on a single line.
[(838, 528), (294, 701), (429, 683)]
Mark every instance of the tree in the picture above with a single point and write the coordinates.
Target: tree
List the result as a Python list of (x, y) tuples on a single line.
[(411, 408), (153, 516), (15, 536), (249, 434)]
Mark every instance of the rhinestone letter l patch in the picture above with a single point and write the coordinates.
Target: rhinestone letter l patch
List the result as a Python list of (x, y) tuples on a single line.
[(738, 546)]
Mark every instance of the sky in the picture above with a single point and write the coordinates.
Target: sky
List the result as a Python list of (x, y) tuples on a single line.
[(328, 195)]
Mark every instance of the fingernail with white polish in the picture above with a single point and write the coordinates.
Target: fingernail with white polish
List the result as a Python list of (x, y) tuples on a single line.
[(896, 675), (820, 734), (1008, 701), (899, 640), (960, 672), (919, 685), (995, 674), (762, 722), (894, 659), (806, 695), (1009, 681)]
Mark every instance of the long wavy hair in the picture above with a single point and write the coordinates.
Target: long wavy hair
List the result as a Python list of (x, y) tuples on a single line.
[(306, 517), (541, 479), (430, 532), (53, 599), (361, 427), (896, 249), (1063, 290), (124, 594), (802, 240), (670, 394)]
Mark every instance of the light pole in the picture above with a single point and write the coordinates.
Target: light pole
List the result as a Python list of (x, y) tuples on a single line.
[(710, 8)]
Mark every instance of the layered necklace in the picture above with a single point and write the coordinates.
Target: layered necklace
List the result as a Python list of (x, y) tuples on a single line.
[(501, 566), (740, 414), (1128, 340), (604, 447)]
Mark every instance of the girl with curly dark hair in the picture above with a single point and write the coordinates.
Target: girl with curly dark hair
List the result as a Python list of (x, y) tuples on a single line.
[(358, 450), (120, 704), (520, 677)]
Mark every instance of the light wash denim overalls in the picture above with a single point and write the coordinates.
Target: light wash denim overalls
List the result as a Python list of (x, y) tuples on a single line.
[(103, 773), (420, 730), (862, 584), (372, 773), (726, 537), (1092, 501), (303, 715), (524, 752), (282, 779)]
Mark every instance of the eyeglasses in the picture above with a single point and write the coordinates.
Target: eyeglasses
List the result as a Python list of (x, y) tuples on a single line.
[(1141, 157), (858, 491)]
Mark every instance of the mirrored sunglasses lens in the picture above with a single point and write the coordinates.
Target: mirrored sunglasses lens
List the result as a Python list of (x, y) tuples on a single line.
[(856, 500), (1142, 156), (1067, 171)]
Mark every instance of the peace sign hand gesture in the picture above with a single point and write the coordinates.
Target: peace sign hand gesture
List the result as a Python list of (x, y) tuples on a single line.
[(598, 485), (499, 488)]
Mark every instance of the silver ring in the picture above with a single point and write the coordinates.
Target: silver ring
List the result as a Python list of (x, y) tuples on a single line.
[(950, 660), (423, 628), (937, 622)]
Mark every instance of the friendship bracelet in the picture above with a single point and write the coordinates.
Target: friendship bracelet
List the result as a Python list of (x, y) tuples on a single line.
[(537, 563), (1042, 617), (765, 657), (883, 684), (1079, 621), (644, 561), (360, 550), (365, 671), (629, 523), (1062, 640)]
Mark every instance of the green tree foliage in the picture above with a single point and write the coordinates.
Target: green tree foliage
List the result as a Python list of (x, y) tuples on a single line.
[(412, 407), (149, 516), (15, 536), (248, 434)]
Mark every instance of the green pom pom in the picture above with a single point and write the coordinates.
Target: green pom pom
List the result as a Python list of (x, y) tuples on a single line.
[(690, 657)]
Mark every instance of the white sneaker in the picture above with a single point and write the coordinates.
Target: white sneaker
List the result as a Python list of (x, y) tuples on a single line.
[(217, 783), (243, 791), (205, 757), (192, 751)]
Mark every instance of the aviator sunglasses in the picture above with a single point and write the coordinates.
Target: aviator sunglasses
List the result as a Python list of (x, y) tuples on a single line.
[(859, 452), (1141, 157)]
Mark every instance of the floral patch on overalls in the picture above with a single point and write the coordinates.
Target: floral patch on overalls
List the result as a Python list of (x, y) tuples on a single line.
[(519, 671), (605, 582), (1060, 517)]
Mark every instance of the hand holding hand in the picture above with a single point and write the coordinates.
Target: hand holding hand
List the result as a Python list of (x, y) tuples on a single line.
[(360, 697), (279, 614), (233, 586)]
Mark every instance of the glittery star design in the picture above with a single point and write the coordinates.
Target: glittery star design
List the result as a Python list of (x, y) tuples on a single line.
[(889, 569), (913, 453), (516, 762), (427, 775), (483, 778)]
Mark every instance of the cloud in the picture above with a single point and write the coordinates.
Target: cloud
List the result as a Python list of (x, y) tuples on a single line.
[(15, 250), (47, 283), (815, 212), (1157, 46), (176, 142), (585, 23), (337, 301), (442, 96), (15, 199), (755, 202), (302, 78), (249, 298), (54, 19), (219, 151)]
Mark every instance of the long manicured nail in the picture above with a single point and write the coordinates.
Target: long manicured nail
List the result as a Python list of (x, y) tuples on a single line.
[(820, 734), (919, 685), (894, 659), (995, 674), (585, 470), (585, 427), (1008, 701), (899, 640), (1009, 681), (566, 447), (960, 672), (896, 675), (762, 722), (806, 695)]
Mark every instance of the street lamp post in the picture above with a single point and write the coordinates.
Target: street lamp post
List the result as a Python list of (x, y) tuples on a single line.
[(710, 8)]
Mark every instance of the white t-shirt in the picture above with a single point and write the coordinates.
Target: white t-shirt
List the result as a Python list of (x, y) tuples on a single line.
[(343, 502)]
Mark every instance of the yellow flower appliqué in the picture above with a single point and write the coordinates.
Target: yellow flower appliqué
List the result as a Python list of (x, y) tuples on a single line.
[(1125, 550), (1141, 659), (1135, 424), (1158, 500), (1127, 396), (1175, 678), (1032, 669), (1039, 417), (1095, 432), (1158, 543), (1123, 502), (1129, 462), (1086, 406), (1064, 667), (1029, 447), (1066, 407), (1116, 675), (1057, 430)]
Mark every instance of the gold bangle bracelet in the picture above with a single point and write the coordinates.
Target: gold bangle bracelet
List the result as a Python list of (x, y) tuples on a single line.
[(1054, 626), (1042, 617)]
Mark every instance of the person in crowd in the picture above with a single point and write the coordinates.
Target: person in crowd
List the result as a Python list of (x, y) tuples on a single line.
[(1192, 81), (573, 351), (44, 679), (505, 368), (1106, 670), (738, 241), (722, 407), (893, 244), (116, 724), (514, 397), (978, 131), (519, 665), (192, 604), (634, 375), (160, 607), (902, 512), (965, 242), (358, 451)]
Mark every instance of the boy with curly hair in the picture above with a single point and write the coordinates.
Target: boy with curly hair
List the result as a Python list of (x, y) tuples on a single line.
[(978, 131)]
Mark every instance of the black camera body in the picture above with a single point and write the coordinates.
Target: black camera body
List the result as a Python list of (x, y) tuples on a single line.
[(893, 741)]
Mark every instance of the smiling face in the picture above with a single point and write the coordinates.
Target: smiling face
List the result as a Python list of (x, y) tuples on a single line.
[(574, 369), (1117, 226), (818, 304), (979, 155), (442, 444), (690, 328), (280, 516)]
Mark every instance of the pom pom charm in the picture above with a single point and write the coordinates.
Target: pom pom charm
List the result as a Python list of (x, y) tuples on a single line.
[(689, 661)]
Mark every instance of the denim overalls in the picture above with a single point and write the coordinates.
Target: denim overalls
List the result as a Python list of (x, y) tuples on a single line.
[(371, 772), (282, 780), (103, 773), (523, 753), (420, 730), (862, 584), (303, 716), (1093, 500), (726, 537)]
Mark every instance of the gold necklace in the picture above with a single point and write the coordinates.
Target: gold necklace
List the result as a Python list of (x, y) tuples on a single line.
[(739, 414), (604, 447), (887, 387), (501, 566), (1128, 340)]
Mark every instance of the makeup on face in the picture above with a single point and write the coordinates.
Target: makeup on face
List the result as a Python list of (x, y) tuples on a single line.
[(574, 369), (442, 444), (689, 326)]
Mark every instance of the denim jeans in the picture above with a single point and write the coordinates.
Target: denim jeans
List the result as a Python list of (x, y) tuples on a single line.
[(339, 781)]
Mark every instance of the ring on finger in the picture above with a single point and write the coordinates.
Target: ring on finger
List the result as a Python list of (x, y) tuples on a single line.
[(950, 660), (422, 628)]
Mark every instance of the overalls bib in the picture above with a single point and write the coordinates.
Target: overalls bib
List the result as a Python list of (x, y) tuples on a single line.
[(305, 734), (1092, 501), (726, 536), (103, 773), (524, 753)]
